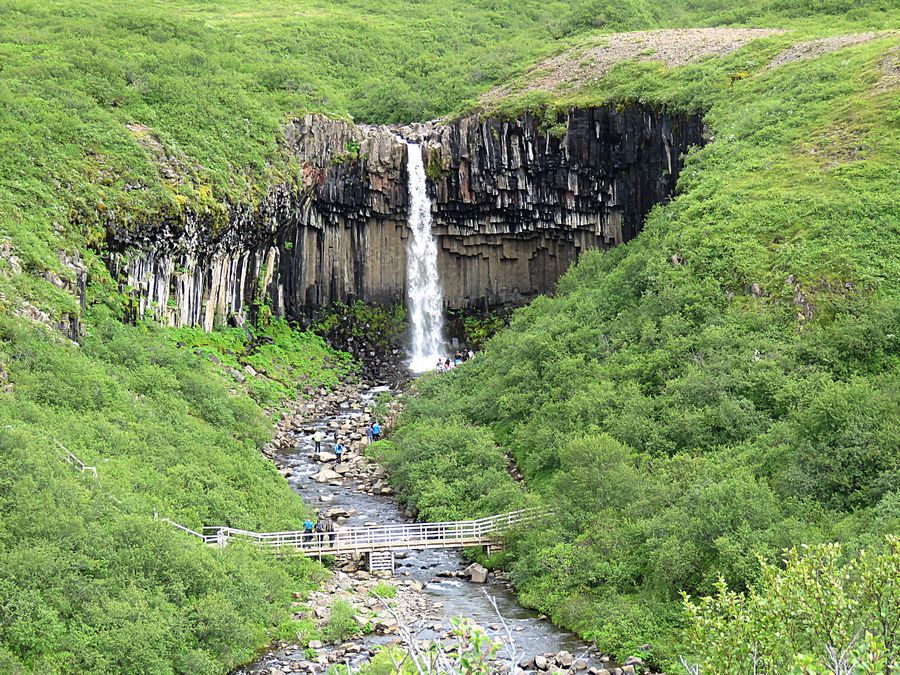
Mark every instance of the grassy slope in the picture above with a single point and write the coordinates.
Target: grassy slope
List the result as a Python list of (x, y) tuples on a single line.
[(680, 419), (212, 82), (89, 580)]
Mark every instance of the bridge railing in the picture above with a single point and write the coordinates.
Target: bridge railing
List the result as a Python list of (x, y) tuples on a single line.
[(412, 535)]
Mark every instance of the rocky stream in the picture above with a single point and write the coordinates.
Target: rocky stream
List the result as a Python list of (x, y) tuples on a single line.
[(432, 586)]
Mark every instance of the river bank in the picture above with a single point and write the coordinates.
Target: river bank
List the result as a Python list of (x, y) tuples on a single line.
[(429, 588)]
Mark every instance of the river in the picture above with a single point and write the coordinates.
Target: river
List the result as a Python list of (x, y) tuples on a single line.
[(447, 597)]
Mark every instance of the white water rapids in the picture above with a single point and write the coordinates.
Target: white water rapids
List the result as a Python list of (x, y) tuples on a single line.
[(423, 286)]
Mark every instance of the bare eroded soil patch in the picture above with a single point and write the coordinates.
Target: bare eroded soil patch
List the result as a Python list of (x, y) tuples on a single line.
[(674, 47)]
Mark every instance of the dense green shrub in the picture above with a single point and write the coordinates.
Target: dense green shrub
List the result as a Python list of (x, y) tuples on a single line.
[(820, 613), (719, 389), (90, 581), (341, 625), (288, 362)]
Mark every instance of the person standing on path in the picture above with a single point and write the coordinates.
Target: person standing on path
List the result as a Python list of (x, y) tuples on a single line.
[(338, 452), (376, 431), (370, 435), (307, 529), (318, 437)]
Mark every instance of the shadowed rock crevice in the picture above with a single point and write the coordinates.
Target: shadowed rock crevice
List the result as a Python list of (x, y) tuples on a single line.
[(514, 204)]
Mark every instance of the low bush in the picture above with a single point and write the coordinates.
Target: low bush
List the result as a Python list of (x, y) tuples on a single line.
[(341, 624)]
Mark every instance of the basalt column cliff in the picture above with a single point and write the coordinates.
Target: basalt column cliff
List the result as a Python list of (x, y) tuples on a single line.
[(514, 203)]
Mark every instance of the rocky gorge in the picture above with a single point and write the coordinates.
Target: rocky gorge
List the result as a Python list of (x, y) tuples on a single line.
[(429, 588), (514, 203)]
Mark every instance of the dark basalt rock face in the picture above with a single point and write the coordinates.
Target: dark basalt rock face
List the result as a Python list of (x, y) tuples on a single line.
[(513, 206)]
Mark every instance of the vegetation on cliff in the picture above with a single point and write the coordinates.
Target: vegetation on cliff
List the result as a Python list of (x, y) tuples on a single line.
[(720, 388)]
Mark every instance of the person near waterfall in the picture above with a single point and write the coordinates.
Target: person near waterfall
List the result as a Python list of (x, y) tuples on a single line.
[(318, 437), (370, 435), (376, 431), (338, 452)]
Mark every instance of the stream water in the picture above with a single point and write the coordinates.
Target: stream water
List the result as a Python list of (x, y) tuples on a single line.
[(452, 597)]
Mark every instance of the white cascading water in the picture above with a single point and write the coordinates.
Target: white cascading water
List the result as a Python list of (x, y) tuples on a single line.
[(424, 288)]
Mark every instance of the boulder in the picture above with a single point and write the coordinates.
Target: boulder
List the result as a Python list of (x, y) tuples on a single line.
[(541, 662), (387, 625), (325, 475), (324, 456), (564, 659), (477, 574)]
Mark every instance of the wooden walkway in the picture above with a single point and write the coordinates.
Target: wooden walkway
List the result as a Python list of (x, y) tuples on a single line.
[(358, 540)]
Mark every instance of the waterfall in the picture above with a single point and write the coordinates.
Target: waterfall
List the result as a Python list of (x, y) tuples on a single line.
[(423, 286)]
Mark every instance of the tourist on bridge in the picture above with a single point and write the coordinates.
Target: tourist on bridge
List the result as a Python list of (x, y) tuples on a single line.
[(338, 452), (376, 431), (318, 437), (370, 435), (320, 533), (307, 529), (329, 528)]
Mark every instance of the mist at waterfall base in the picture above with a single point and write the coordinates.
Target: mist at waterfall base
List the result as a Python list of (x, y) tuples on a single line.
[(425, 300)]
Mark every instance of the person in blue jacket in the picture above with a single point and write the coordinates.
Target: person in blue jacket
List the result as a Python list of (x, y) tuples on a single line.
[(338, 452)]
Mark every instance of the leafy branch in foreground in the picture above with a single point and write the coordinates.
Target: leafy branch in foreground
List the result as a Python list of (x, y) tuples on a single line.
[(820, 613), (474, 651)]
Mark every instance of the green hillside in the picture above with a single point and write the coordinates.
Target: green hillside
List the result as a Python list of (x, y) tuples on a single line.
[(722, 387), (674, 372)]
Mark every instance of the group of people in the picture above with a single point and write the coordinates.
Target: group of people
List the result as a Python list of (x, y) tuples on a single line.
[(323, 531), (443, 365), (373, 433), (319, 532)]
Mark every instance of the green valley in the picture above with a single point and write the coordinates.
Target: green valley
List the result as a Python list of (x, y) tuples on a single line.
[(711, 410)]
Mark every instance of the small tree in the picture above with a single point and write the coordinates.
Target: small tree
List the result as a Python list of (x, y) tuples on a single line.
[(817, 614)]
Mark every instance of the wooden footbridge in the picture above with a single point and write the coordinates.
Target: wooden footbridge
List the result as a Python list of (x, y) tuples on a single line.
[(379, 542)]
